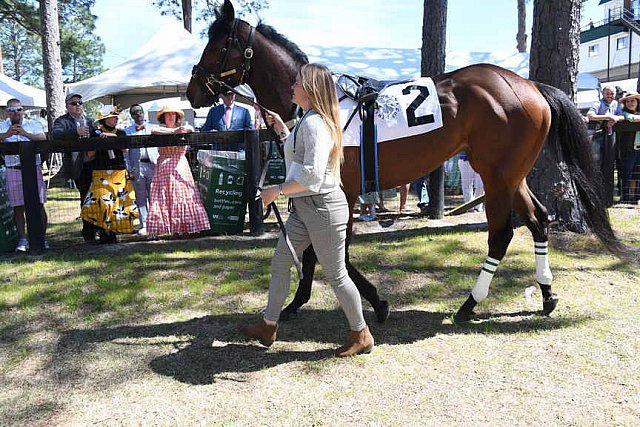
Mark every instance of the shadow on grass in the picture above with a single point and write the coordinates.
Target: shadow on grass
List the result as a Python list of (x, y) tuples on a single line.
[(216, 349)]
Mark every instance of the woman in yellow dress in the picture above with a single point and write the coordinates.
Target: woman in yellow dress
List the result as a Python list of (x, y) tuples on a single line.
[(110, 202)]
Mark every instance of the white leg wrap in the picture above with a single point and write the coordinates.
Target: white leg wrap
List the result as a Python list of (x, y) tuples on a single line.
[(481, 289), (543, 271)]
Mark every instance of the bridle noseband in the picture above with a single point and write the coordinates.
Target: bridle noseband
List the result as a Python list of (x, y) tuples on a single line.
[(222, 79)]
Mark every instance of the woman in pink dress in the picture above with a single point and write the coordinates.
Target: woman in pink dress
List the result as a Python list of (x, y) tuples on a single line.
[(174, 204)]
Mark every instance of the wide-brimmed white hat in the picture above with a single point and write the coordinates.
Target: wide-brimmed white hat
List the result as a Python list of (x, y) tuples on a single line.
[(106, 112)]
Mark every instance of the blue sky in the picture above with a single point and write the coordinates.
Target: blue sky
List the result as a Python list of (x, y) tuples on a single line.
[(472, 25)]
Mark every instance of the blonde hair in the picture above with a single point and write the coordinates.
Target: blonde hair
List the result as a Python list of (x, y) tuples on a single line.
[(318, 84)]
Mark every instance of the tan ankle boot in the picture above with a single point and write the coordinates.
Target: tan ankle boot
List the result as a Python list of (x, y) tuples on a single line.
[(358, 342), (261, 331)]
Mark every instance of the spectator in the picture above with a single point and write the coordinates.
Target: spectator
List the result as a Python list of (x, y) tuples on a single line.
[(110, 201), (16, 129), (73, 126), (629, 150), (471, 181), (228, 116), (605, 112), (174, 204), (141, 163)]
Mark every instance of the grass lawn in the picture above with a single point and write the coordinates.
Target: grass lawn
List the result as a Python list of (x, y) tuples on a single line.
[(145, 333)]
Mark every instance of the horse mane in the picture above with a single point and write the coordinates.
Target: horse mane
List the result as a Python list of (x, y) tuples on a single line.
[(271, 34), (218, 27)]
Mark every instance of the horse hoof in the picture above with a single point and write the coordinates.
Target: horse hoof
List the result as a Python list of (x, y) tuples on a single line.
[(382, 311), (463, 316), (286, 314), (549, 304)]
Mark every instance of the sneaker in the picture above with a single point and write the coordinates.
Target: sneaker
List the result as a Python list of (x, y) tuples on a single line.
[(143, 231), (46, 244), (367, 217), (23, 245)]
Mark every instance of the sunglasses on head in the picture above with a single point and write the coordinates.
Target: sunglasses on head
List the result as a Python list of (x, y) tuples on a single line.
[(76, 103), (14, 109)]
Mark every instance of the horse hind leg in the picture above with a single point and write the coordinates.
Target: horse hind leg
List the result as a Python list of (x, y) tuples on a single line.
[(536, 218), (498, 213), (303, 293)]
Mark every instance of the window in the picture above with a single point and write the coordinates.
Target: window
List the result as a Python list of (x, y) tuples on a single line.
[(593, 50), (622, 43)]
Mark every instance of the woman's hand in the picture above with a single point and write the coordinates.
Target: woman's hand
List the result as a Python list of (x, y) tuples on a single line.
[(184, 129), (274, 120), (269, 195)]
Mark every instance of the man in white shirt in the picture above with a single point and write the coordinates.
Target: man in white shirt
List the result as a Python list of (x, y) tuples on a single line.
[(141, 163), (16, 129)]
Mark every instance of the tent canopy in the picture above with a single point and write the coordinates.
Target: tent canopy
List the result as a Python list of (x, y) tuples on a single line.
[(29, 96), (159, 69)]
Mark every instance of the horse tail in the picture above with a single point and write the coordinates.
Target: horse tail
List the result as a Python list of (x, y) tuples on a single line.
[(568, 136)]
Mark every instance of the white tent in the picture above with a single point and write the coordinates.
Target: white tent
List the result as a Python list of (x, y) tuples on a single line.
[(159, 69), (29, 96)]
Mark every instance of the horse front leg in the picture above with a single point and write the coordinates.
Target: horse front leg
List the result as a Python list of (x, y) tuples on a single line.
[(500, 234), (536, 218)]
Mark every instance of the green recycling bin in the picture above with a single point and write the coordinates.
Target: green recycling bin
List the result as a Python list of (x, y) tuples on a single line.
[(8, 232), (221, 179)]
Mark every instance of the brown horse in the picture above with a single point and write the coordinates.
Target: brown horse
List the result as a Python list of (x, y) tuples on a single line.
[(499, 118)]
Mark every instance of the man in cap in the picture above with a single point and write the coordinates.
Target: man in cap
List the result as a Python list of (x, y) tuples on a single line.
[(228, 116), (75, 125), (16, 128)]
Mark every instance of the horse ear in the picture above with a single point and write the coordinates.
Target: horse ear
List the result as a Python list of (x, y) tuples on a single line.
[(228, 12)]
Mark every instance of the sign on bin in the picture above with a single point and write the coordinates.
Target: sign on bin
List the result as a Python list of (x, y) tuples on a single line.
[(221, 180)]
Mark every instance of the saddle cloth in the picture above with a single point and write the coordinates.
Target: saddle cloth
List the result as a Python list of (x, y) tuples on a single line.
[(402, 109)]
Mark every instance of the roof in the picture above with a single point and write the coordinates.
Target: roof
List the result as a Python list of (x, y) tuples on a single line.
[(601, 32)]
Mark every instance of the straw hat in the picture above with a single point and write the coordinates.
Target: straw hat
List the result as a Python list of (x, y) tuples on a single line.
[(106, 112), (629, 96), (168, 108)]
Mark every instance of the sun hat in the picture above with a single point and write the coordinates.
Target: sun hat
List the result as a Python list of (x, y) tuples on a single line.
[(629, 96), (168, 108), (105, 112)]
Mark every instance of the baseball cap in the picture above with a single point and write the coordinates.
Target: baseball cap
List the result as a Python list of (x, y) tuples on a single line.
[(72, 95)]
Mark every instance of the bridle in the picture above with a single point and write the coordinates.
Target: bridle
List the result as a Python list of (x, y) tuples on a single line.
[(222, 78)]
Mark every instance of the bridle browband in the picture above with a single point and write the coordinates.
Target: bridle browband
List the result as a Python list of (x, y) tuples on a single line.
[(221, 79)]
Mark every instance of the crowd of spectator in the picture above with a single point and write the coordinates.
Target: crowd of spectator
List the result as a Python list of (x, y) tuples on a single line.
[(121, 191)]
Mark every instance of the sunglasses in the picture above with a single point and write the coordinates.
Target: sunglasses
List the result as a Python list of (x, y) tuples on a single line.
[(137, 112), (14, 109), (76, 103)]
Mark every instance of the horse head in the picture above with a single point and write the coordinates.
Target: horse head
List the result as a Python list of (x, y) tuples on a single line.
[(225, 61), (235, 49)]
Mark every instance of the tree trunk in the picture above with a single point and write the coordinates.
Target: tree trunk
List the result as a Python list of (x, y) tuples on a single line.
[(434, 31), (521, 37), (186, 14), (51, 59), (555, 42)]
